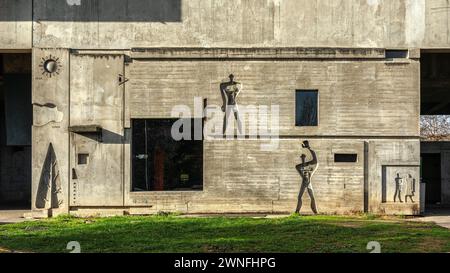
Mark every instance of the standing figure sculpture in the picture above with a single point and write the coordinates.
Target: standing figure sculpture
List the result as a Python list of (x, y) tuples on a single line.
[(398, 188), (306, 171), (410, 188), (230, 91)]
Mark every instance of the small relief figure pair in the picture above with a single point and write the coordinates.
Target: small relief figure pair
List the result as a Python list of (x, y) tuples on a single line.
[(404, 186)]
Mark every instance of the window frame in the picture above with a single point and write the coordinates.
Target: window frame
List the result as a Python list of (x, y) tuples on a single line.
[(132, 191), (317, 107)]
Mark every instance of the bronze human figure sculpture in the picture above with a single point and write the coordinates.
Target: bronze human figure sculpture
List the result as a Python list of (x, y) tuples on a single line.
[(230, 91), (306, 171)]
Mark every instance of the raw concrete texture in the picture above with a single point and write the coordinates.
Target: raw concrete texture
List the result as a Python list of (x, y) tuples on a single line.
[(15, 24), (96, 98), (367, 105), (119, 24), (238, 175), (50, 137), (240, 178), (356, 97), (405, 152), (12, 216)]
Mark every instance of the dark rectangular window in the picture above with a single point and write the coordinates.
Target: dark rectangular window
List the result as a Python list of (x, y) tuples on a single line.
[(396, 54), (306, 107), (161, 163), (345, 158)]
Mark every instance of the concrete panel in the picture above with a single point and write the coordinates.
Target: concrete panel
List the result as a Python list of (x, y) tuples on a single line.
[(400, 184), (240, 177), (356, 98), (391, 154), (15, 24), (117, 24), (96, 99), (50, 138), (445, 179), (437, 24)]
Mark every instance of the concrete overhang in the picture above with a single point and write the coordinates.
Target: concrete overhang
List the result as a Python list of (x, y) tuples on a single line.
[(258, 53)]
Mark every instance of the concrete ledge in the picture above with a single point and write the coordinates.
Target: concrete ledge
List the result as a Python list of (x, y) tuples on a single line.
[(98, 212), (399, 209), (38, 214), (258, 53)]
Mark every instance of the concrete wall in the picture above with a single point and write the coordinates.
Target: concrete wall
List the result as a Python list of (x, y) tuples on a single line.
[(241, 178), (96, 98), (368, 105), (361, 110), (50, 137), (117, 24), (398, 154), (356, 97), (15, 24), (238, 175)]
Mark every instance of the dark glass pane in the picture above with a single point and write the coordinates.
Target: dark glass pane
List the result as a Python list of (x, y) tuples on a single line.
[(306, 108), (139, 152), (396, 54), (169, 165)]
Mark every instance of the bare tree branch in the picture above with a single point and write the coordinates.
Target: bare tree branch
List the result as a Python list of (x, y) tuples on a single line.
[(435, 128)]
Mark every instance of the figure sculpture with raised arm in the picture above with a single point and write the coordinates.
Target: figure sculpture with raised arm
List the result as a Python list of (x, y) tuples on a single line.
[(306, 170)]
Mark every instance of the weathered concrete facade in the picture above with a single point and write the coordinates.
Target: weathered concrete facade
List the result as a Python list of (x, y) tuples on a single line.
[(118, 61)]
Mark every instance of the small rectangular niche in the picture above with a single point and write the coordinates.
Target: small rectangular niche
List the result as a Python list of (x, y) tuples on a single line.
[(83, 159), (345, 158), (396, 54)]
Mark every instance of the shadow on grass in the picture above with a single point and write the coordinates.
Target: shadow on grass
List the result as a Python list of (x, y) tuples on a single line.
[(173, 234)]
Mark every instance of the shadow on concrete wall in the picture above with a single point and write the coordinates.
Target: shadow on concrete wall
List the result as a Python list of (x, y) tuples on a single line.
[(15, 10), (92, 10), (49, 193), (106, 137)]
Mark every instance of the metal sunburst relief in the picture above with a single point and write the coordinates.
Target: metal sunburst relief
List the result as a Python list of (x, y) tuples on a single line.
[(50, 66)]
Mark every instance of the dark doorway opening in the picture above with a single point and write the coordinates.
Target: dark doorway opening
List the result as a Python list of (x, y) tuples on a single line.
[(435, 121), (435, 83), (15, 131), (431, 176), (161, 163)]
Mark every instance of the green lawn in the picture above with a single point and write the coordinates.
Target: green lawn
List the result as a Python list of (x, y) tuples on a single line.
[(222, 234)]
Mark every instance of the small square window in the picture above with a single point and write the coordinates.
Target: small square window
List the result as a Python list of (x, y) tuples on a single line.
[(345, 158), (83, 159), (306, 108)]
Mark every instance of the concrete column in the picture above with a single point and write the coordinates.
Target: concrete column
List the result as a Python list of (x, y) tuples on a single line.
[(445, 177)]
